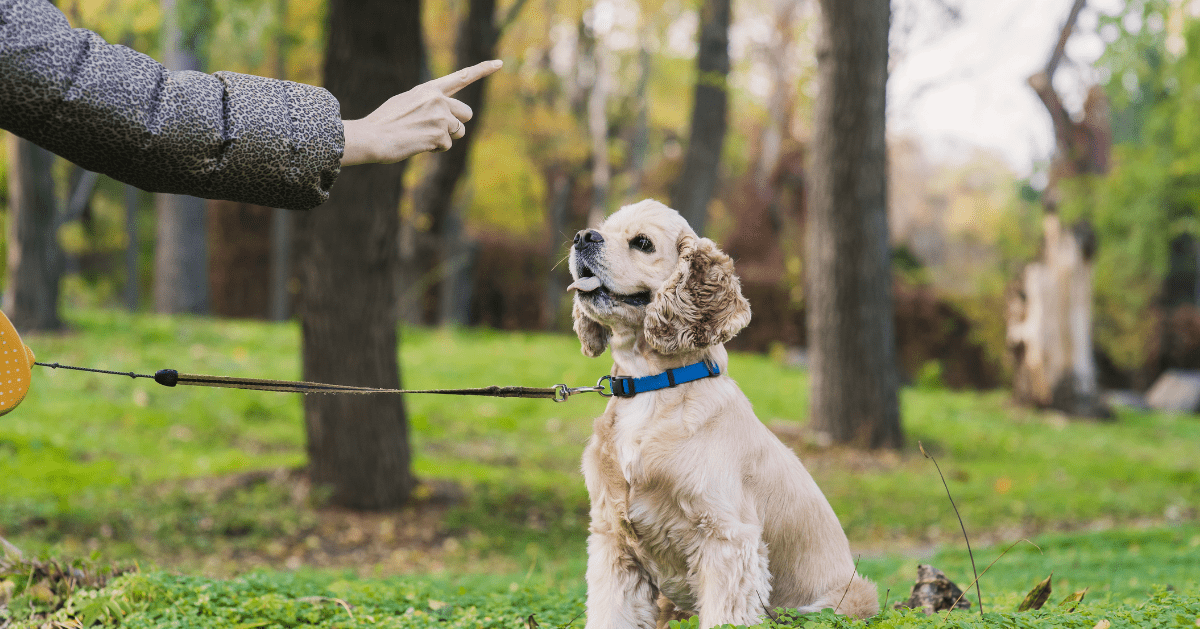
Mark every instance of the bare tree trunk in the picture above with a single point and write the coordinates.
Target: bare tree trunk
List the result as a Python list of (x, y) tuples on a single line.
[(561, 185), (447, 253), (640, 141), (597, 117), (358, 445), (780, 101), (181, 258), (132, 251), (34, 257), (240, 259), (181, 245), (1050, 325), (695, 186), (851, 332), (282, 234), (1049, 317), (281, 219)]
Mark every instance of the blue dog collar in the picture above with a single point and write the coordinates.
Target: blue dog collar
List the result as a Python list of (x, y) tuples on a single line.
[(629, 387)]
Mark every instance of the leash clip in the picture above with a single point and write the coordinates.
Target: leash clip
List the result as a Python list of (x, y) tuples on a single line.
[(562, 391)]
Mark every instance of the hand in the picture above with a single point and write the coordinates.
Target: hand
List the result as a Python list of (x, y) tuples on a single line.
[(424, 118)]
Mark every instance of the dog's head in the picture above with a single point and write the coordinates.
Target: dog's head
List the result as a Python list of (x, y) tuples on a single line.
[(645, 269)]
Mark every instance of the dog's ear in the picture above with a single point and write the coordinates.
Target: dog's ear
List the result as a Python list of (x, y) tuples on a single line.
[(700, 304), (592, 335)]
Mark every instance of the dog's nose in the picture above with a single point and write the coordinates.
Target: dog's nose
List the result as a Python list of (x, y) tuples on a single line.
[(586, 236)]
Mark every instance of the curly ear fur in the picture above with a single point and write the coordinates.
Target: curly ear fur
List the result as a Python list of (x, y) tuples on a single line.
[(592, 335), (701, 304)]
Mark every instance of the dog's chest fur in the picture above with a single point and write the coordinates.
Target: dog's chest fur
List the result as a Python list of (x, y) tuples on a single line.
[(621, 467), (632, 425)]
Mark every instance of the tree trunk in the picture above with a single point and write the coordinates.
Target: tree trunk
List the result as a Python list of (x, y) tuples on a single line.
[(561, 185), (358, 444), (181, 245), (281, 219), (447, 254), (34, 257), (240, 259), (639, 141), (1050, 325), (1049, 318), (132, 248), (282, 235), (851, 332), (780, 101), (695, 186), (597, 117)]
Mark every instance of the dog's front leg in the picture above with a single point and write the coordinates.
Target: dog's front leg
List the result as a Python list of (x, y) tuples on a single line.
[(619, 592), (731, 576)]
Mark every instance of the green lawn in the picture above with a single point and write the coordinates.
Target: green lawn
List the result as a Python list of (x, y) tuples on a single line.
[(129, 470), (1116, 568)]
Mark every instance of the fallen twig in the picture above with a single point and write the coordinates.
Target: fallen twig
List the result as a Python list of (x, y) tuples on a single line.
[(325, 599)]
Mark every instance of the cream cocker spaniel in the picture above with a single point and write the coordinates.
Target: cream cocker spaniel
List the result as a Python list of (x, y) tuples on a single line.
[(696, 507)]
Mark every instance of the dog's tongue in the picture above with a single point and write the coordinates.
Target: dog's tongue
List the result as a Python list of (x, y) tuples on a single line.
[(585, 284)]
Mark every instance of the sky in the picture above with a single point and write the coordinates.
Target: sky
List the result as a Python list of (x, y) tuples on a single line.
[(964, 85)]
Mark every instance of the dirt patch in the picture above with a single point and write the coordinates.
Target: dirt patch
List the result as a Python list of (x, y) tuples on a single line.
[(275, 519), (818, 457)]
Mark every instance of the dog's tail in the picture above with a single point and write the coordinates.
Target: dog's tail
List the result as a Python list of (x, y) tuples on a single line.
[(857, 599), (860, 600)]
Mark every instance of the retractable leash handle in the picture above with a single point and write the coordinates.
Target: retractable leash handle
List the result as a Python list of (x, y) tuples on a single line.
[(16, 365)]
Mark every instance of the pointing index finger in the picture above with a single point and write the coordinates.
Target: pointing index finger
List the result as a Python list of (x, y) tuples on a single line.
[(451, 83)]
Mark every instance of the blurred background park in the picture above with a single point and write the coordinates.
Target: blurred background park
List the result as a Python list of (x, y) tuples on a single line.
[(1034, 309)]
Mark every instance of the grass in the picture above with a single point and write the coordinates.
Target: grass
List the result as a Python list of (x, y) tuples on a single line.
[(1101, 563), (190, 479)]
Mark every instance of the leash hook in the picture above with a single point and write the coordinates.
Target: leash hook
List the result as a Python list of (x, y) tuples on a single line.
[(562, 391)]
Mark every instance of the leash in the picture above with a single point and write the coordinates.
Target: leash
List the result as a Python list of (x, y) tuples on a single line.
[(625, 387), (17, 361), (171, 378)]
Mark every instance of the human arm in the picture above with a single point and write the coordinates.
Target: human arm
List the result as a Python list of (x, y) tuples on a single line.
[(116, 111)]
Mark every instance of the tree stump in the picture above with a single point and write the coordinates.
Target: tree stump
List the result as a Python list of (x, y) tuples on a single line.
[(1049, 325)]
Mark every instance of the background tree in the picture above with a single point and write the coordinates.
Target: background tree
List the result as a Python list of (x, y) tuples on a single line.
[(1050, 313), (34, 257), (444, 249), (181, 245), (250, 246), (694, 188), (349, 256), (851, 333), (1146, 209), (240, 258)]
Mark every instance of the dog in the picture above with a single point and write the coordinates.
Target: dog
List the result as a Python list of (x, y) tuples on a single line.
[(696, 507)]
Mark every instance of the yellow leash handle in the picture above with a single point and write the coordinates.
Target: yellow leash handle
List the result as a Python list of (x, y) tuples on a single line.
[(16, 361)]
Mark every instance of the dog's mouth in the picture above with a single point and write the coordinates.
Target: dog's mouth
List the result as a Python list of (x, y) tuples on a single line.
[(591, 287)]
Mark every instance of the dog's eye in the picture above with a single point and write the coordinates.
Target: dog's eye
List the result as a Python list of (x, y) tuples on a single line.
[(641, 243)]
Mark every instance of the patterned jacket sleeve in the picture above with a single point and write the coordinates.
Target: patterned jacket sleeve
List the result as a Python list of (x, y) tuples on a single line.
[(118, 112)]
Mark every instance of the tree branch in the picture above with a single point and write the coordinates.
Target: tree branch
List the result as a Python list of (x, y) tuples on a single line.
[(510, 16), (79, 197), (1060, 47)]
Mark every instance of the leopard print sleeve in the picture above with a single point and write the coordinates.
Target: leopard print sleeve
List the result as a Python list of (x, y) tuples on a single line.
[(118, 112)]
